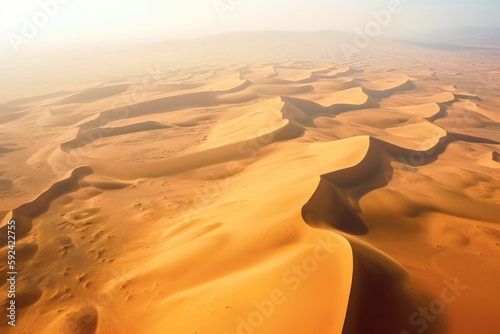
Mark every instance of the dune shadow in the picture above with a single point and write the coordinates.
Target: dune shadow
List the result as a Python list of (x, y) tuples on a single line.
[(24, 214), (380, 301)]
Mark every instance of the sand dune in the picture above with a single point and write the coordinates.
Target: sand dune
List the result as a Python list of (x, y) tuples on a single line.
[(424, 98), (282, 189), (235, 151), (381, 89), (419, 136), (94, 94), (88, 137), (331, 104), (428, 111), (335, 73), (201, 99), (354, 96), (25, 213)]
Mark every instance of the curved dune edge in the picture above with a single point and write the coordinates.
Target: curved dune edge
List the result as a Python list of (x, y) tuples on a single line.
[(428, 111), (381, 298), (129, 171), (291, 129), (24, 214), (261, 70), (246, 123), (419, 136), (342, 189), (352, 96), (89, 136), (328, 305), (93, 94), (444, 99), (467, 96), (379, 293), (290, 111), (333, 73), (383, 90), (227, 84), (170, 103), (336, 85), (298, 109), (473, 139), (307, 77)]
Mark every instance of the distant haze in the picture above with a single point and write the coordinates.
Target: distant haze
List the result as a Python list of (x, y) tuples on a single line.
[(27, 26)]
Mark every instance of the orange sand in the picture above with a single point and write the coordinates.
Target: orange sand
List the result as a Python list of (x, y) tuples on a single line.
[(249, 192)]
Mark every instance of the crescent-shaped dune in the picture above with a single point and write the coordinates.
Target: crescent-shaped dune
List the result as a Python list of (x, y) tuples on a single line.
[(420, 136), (335, 73), (428, 111), (381, 89), (353, 96), (294, 75), (335, 103)]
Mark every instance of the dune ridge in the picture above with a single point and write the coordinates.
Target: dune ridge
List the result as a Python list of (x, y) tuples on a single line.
[(24, 214), (236, 151)]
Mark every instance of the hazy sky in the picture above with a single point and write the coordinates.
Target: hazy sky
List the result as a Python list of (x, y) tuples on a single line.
[(28, 25)]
